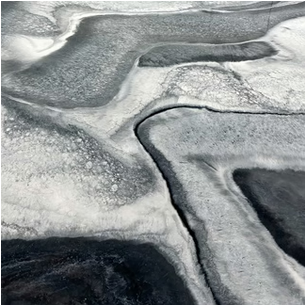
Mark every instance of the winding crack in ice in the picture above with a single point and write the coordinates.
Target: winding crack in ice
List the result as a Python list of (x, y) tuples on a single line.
[(237, 240), (116, 132)]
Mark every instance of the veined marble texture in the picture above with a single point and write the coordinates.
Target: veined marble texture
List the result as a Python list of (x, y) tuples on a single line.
[(153, 153)]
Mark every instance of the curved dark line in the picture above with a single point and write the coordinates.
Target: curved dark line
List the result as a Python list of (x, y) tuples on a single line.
[(181, 216), (211, 109), (176, 206)]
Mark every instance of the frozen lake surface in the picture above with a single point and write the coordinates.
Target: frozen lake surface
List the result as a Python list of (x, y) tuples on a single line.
[(153, 153)]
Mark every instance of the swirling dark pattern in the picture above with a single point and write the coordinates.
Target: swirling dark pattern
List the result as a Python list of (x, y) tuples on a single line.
[(87, 271)]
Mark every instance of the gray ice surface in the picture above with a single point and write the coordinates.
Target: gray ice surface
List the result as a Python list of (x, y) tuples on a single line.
[(92, 147)]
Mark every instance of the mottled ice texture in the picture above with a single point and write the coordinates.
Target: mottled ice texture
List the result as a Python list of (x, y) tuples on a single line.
[(83, 171), (59, 181), (73, 174), (79, 74), (197, 152), (280, 79)]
